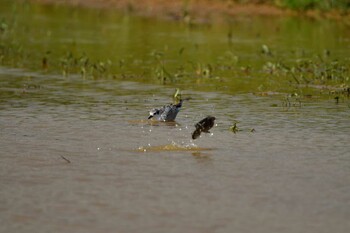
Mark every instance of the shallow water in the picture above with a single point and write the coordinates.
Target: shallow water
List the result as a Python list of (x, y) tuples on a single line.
[(78, 155), (291, 174)]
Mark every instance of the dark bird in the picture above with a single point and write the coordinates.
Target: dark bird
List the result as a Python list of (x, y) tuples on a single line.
[(166, 113), (203, 126)]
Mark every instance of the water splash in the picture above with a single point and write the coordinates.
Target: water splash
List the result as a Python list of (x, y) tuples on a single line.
[(173, 146)]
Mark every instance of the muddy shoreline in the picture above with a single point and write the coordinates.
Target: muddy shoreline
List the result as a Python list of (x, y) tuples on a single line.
[(198, 11)]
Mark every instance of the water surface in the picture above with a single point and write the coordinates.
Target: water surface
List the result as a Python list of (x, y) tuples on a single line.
[(78, 155)]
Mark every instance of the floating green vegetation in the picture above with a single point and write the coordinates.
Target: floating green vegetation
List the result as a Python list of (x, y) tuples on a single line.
[(204, 64), (12, 54), (325, 76), (291, 101), (160, 71), (320, 72), (3, 26), (72, 65), (266, 50), (204, 71), (234, 128), (304, 76)]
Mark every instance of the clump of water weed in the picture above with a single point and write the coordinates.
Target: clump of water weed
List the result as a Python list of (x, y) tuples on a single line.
[(320, 73), (291, 100), (266, 50), (83, 65), (159, 70), (3, 26), (234, 128), (204, 71)]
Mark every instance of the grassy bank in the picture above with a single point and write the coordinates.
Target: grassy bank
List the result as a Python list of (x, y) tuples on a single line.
[(302, 4), (216, 10), (312, 4)]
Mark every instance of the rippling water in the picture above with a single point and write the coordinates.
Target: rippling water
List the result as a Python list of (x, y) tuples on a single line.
[(71, 160), (77, 154)]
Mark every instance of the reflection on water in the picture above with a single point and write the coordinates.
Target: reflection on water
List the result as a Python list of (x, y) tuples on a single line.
[(239, 56), (79, 155)]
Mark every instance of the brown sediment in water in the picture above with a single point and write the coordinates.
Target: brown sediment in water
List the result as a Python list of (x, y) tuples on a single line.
[(172, 147), (153, 122), (197, 11)]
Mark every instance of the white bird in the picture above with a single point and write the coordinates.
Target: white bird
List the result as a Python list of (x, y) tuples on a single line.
[(166, 113)]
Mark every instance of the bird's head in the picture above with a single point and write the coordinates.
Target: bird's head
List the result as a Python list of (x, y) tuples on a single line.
[(152, 113), (211, 118)]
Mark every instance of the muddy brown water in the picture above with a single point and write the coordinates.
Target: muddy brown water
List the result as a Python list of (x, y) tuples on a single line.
[(125, 174), (78, 154)]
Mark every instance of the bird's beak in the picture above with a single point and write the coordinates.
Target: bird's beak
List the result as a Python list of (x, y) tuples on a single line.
[(150, 116)]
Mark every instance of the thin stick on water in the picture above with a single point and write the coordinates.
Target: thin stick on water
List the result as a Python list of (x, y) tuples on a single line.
[(67, 160)]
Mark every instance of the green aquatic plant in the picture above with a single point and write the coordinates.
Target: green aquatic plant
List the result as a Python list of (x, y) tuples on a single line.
[(234, 128), (320, 73), (160, 72), (67, 63), (230, 68), (83, 65), (307, 76), (275, 68), (204, 71), (266, 50), (12, 53), (45, 60), (292, 100), (177, 96), (100, 69), (3, 26), (181, 50), (229, 61)]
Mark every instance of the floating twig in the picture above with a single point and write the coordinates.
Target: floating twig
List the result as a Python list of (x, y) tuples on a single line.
[(67, 160)]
